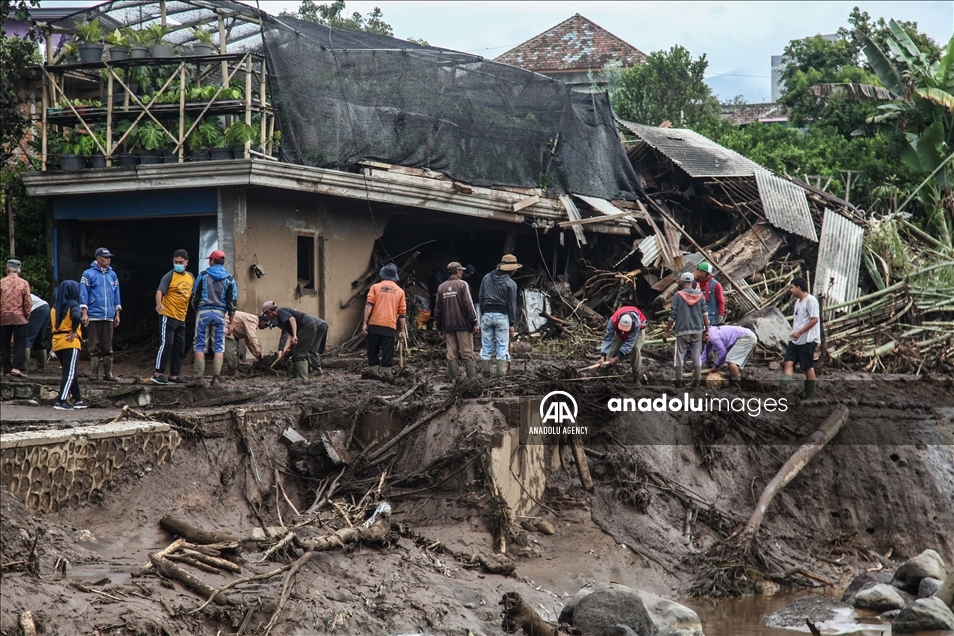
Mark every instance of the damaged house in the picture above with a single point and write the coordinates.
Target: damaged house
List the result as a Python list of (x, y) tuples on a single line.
[(336, 151)]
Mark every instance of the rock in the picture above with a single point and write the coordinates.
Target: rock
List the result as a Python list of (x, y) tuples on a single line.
[(927, 564), (889, 616), (667, 618), (880, 598), (607, 608), (545, 527), (864, 581), (770, 326), (946, 593), (774, 366), (929, 587), (922, 615), (619, 630)]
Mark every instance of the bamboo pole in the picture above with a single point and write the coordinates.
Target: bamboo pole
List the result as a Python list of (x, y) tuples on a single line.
[(109, 116), (145, 108), (248, 101), (223, 49), (180, 143), (45, 138), (162, 12)]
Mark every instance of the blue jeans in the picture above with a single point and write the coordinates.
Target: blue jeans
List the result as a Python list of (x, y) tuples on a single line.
[(494, 327), (210, 323)]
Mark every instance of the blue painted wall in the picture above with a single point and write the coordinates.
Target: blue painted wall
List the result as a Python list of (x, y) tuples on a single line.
[(139, 205)]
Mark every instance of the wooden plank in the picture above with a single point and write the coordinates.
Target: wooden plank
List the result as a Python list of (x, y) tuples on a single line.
[(574, 215), (526, 203), (596, 219)]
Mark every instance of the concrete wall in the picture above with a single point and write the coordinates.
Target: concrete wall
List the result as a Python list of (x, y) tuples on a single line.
[(48, 470), (263, 226)]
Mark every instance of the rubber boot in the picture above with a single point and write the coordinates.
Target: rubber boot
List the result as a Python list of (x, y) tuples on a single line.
[(298, 370), (94, 368), (809, 389), (786, 384), (376, 369), (41, 362), (216, 370), (108, 370), (470, 368), (678, 372), (485, 367), (26, 358), (502, 366), (696, 376), (453, 370), (198, 368)]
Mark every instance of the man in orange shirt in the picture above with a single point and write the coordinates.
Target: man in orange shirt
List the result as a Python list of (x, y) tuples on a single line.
[(385, 316)]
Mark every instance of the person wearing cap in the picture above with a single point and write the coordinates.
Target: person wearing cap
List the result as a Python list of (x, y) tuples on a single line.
[(712, 291), (456, 320), (214, 296), (38, 332), (101, 306), (317, 346), (301, 329), (15, 307), (806, 334), (172, 305), (498, 314), (731, 345), (689, 314), (244, 326), (385, 318), (624, 338)]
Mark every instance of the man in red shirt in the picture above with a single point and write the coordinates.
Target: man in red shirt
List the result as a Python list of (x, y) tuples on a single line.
[(385, 316), (711, 288), (624, 338)]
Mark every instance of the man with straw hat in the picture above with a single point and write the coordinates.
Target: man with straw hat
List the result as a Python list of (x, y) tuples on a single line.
[(498, 314)]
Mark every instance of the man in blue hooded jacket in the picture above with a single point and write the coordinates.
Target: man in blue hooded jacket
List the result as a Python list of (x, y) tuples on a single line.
[(214, 297), (100, 304)]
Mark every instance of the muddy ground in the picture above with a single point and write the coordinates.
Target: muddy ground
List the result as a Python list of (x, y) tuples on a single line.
[(666, 488)]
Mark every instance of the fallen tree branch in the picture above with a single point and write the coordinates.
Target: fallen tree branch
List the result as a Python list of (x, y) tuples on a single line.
[(172, 571), (169, 549), (381, 451), (193, 534)]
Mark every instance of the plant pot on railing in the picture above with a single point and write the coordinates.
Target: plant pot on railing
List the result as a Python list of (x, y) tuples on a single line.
[(118, 53), (127, 159), (200, 48), (98, 160), (220, 154), (199, 154), (137, 52), (150, 157), (238, 152), (90, 52), (161, 50), (170, 156), (72, 162)]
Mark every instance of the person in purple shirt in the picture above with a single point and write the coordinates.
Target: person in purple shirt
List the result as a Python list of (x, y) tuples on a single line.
[(731, 345)]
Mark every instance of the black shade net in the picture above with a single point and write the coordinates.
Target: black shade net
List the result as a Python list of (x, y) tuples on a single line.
[(346, 96)]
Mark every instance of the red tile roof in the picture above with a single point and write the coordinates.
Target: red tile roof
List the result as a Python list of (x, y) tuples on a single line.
[(575, 44)]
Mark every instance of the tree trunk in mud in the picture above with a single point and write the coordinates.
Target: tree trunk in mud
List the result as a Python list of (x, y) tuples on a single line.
[(193, 534), (172, 571), (519, 615), (793, 466), (582, 466)]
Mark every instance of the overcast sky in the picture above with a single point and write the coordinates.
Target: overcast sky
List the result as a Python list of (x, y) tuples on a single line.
[(738, 38)]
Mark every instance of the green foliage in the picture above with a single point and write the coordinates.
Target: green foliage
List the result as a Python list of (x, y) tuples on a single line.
[(151, 136), (18, 58), (156, 33), (29, 226), (116, 38), (879, 32), (208, 134), (136, 37), (333, 15), (89, 32), (669, 86), (201, 36), (239, 132)]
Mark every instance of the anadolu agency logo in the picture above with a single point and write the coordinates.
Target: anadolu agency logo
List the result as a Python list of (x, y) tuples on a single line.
[(558, 411)]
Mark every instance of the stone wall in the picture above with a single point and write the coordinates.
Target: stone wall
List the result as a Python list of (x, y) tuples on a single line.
[(48, 470)]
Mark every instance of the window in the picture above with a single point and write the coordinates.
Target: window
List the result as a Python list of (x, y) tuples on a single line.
[(306, 265)]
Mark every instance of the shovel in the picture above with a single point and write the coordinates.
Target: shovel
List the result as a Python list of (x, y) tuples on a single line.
[(281, 356)]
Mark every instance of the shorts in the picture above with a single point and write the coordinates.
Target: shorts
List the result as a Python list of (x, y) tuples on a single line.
[(802, 354)]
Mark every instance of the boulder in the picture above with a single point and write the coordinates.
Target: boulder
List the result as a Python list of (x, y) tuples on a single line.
[(864, 581), (879, 598), (619, 630), (667, 618), (604, 609), (922, 615), (946, 593), (770, 326), (927, 564), (929, 587)]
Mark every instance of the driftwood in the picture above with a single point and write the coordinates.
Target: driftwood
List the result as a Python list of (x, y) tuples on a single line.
[(169, 549), (27, 625), (582, 466), (519, 615), (172, 571), (193, 534)]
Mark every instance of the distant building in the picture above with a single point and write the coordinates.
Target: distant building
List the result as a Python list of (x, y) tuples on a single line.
[(571, 50), (745, 114), (778, 62)]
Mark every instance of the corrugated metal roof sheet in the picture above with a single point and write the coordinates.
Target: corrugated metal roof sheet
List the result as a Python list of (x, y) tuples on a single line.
[(697, 155), (650, 250), (839, 259), (785, 205)]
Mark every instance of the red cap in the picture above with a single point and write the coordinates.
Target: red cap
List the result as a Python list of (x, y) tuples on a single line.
[(217, 254)]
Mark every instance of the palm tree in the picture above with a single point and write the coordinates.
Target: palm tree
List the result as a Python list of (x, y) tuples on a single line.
[(919, 101)]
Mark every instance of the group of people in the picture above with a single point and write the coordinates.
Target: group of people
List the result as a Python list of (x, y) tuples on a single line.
[(697, 313)]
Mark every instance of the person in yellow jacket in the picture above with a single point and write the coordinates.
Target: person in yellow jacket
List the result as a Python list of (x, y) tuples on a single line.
[(65, 318)]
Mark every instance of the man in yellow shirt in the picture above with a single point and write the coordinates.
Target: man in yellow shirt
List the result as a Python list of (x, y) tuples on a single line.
[(172, 305)]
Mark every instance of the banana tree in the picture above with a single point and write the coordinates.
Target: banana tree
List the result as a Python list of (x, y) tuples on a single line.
[(918, 100)]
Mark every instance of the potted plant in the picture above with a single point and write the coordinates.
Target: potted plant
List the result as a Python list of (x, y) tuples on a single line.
[(206, 136), (237, 135), (156, 33), (88, 36), (98, 159), (127, 158), (203, 42), (152, 143), (139, 43), (76, 148), (276, 142), (70, 53), (118, 46)]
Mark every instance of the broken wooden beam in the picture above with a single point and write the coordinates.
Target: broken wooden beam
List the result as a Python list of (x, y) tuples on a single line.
[(193, 534)]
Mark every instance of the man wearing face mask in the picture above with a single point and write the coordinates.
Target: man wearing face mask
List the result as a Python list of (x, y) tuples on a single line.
[(172, 304)]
